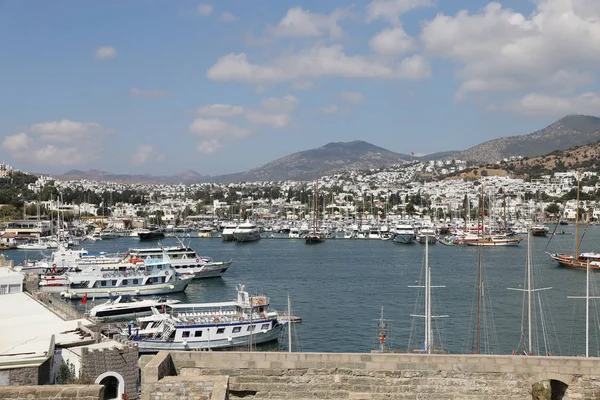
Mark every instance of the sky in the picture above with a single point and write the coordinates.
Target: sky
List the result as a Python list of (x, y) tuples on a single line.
[(163, 87)]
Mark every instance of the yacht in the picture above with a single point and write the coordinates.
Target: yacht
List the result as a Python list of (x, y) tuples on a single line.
[(184, 260), (426, 235), (227, 234), (127, 307), (246, 232), (245, 321), (405, 233), (152, 277)]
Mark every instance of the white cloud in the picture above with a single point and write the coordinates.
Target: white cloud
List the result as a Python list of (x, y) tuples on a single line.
[(302, 85), (105, 52), (228, 17), (329, 110), (145, 153), (352, 97), (273, 112), (150, 93), (391, 10), (219, 111), (213, 132), (300, 23), (205, 9), (62, 142), (316, 62), (534, 104), (554, 50), (16, 143), (392, 41)]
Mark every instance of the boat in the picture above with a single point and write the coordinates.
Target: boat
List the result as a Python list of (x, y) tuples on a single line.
[(207, 232), (227, 234), (184, 260), (109, 234), (538, 230), (244, 322), (426, 235), (405, 234), (155, 234), (127, 307), (246, 232), (491, 240), (577, 260), (151, 277), (315, 236), (33, 246)]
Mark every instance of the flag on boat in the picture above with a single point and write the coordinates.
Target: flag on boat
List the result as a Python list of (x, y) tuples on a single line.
[(84, 299), (412, 153)]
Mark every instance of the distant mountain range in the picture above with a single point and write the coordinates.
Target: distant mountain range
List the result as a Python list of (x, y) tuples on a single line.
[(566, 133)]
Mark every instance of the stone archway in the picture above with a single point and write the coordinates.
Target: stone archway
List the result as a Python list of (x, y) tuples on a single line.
[(549, 389), (114, 385)]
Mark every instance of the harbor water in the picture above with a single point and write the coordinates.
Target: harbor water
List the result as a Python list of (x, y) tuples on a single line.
[(338, 288)]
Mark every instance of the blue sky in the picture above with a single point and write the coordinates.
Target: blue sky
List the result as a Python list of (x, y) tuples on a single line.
[(162, 87)]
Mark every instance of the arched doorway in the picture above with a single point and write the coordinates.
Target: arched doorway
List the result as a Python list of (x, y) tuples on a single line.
[(549, 389), (114, 385)]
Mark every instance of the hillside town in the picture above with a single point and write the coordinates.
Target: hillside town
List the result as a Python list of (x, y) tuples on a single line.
[(427, 192)]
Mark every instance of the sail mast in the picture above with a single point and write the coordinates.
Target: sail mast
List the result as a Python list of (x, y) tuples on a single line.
[(529, 289), (427, 299), (289, 324), (576, 255)]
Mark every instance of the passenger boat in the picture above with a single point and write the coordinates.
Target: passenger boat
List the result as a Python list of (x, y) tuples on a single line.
[(152, 277), (244, 322), (227, 234), (246, 232), (156, 234), (127, 307), (538, 230), (405, 234), (490, 240), (426, 235), (184, 260)]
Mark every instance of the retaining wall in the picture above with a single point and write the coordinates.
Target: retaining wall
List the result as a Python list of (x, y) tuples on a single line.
[(77, 392), (375, 376)]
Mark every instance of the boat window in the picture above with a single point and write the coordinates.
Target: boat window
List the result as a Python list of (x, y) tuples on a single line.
[(114, 282), (250, 328), (197, 333), (124, 283), (102, 283), (135, 281), (220, 330), (264, 327), (237, 329), (185, 334)]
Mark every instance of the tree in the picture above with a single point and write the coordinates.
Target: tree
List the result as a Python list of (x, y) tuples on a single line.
[(410, 209), (552, 209)]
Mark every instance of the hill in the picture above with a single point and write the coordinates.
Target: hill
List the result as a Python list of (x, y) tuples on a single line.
[(568, 132), (186, 177), (328, 159)]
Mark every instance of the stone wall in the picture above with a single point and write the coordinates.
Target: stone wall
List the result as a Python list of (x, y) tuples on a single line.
[(374, 376), (77, 392), (24, 376), (123, 361)]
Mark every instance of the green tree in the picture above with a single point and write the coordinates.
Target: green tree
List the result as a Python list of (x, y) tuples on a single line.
[(410, 209), (552, 208)]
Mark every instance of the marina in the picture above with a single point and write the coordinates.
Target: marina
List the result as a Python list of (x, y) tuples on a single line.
[(357, 277)]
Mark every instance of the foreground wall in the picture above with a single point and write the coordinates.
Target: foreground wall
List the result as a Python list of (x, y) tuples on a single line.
[(76, 392), (372, 376)]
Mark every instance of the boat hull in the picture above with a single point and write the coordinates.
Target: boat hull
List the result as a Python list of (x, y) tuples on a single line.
[(569, 261), (154, 346), (404, 238), (158, 289)]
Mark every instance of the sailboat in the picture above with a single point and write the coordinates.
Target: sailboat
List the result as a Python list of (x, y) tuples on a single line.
[(576, 260), (315, 236), (428, 346)]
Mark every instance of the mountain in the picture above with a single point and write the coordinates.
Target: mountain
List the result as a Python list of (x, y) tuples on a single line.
[(186, 177), (567, 132), (328, 159)]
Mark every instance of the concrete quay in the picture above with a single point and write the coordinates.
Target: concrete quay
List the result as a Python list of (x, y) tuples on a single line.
[(303, 376)]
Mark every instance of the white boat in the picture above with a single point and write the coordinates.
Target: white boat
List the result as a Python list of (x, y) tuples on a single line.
[(152, 277), (244, 322), (246, 232), (127, 307), (227, 234), (405, 234), (184, 260), (33, 246), (65, 259), (109, 234), (426, 235)]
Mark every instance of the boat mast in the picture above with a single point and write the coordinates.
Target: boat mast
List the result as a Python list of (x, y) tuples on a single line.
[(587, 298), (289, 325), (479, 283), (427, 299), (576, 255)]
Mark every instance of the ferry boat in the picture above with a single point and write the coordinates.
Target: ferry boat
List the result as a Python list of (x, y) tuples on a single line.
[(405, 234), (127, 307), (184, 260), (152, 277), (246, 232), (227, 234), (539, 230), (426, 235), (246, 321)]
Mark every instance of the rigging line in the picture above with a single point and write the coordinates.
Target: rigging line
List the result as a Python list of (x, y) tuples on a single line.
[(544, 333), (556, 226)]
